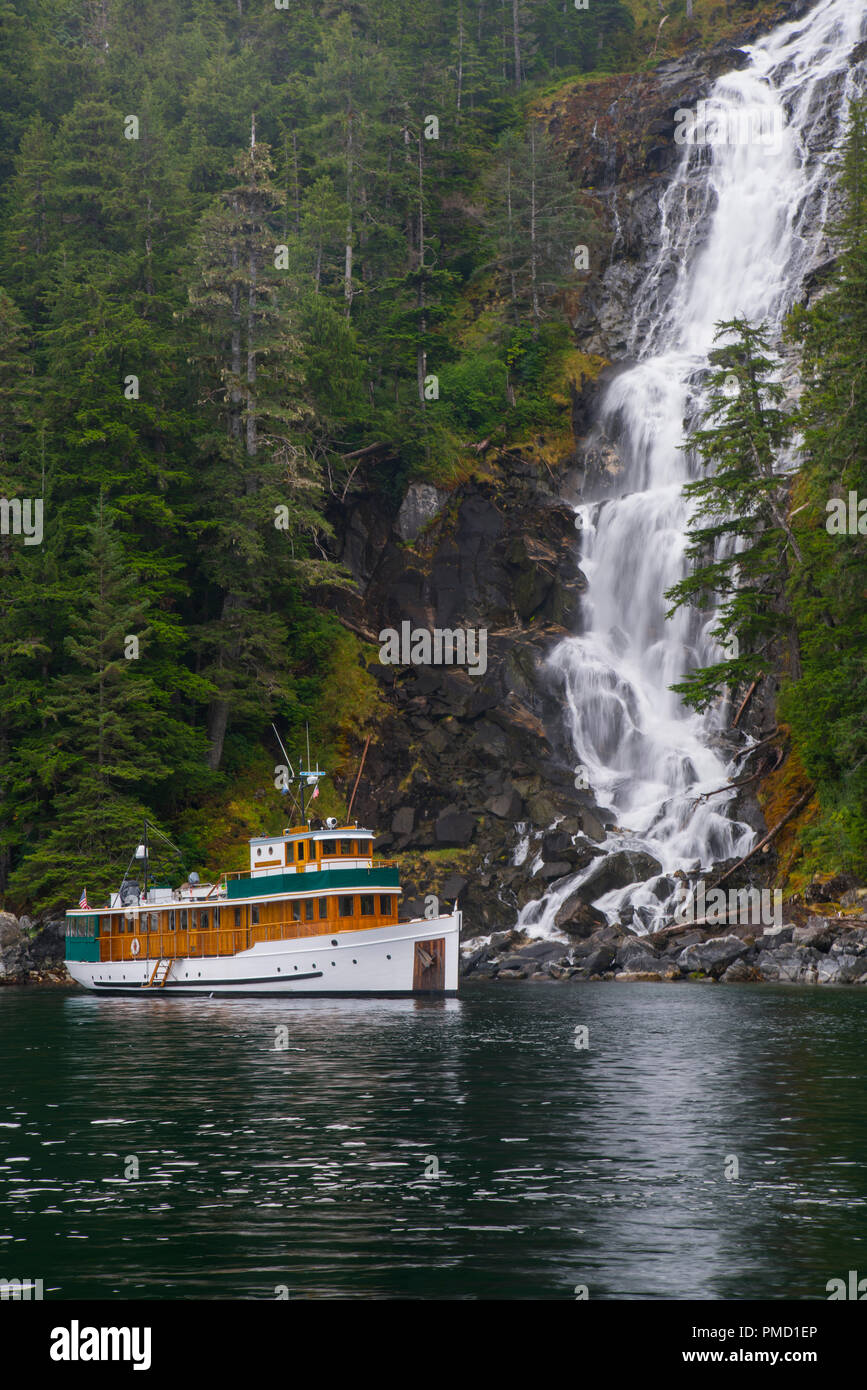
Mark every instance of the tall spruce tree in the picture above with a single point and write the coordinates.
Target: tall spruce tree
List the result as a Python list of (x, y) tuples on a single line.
[(260, 490), (740, 539), (104, 716)]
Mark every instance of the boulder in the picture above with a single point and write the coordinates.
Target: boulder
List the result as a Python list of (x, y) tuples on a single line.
[(713, 956), (454, 827), (830, 892), (596, 962), (774, 936), (789, 964), (840, 969), (403, 821), (540, 951), (420, 505), (506, 806), (576, 917), (740, 973), (636, 956), (453, 887), (10, 929), (592, 825), (619, 870), (559, 868), (817, 933)]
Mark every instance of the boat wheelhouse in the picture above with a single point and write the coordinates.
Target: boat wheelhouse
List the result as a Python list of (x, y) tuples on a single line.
[(316, 913)]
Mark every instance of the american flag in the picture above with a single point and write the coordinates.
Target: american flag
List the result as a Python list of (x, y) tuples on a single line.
[(82, 901)]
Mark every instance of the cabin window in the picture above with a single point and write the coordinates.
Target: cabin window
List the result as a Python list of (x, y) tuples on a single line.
[(172, 920), (254, 916), (203, 920), (344, 907), (329, 846), (216, 916), (308, 909), (296, 912), (237, 917), (299, 849), (183, 916), (386, 902), (367, 905), (345, 846), (323, 909), (258, 854)]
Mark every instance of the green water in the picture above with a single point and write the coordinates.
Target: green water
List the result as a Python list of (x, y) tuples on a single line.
[(312, 1167)]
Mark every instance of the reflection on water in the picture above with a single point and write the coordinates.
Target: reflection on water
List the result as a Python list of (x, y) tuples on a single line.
[(456, 1148)]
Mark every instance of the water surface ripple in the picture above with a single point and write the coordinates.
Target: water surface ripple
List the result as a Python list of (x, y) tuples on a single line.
[(311, 1166)]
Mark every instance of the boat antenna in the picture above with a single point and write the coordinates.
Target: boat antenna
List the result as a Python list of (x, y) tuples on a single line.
[(288, 764), (283, 750)]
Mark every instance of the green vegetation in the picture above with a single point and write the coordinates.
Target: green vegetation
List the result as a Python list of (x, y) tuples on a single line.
[(796, 586), (236, 249)]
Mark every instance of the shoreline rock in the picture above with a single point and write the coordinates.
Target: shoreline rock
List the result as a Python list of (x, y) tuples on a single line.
[(822, 951), (32, 954)]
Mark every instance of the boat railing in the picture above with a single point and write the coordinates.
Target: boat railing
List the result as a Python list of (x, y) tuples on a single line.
[(220, 941), (288, 869)]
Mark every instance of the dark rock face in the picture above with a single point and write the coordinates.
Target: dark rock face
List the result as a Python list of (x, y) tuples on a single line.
[(32, 956), (466, 762)]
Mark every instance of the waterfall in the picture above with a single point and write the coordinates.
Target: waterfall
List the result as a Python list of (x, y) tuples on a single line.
[(741, 227)]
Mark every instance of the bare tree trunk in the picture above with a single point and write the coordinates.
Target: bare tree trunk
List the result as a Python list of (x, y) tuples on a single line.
[(421, 355), (516, 39), (537, 316), (235, 392), (460, 53), (510, 240), (347, 265), (252, 432)]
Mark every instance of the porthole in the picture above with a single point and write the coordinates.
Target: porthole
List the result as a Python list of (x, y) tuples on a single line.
[(296, 967), (355, 962), (334, 962), (333, 942), (388, 958)]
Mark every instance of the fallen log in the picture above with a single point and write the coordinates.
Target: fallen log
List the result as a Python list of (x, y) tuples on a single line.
[(744, 704), (802, 800)]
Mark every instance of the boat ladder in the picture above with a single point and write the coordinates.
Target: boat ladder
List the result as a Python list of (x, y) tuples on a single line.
[(160, 973)]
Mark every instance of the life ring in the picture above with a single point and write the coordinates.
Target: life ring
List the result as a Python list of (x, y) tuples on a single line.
[(134, 946)]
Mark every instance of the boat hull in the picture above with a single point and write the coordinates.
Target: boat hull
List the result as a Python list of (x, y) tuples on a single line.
[(417, 957)]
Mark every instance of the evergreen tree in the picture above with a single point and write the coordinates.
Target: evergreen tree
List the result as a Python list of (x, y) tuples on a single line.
[(740, 540), (104, 717), (260, 495), (826, 706)]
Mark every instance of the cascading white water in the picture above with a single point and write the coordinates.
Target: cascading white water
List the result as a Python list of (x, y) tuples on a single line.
[(742, 225)]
